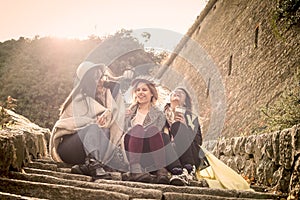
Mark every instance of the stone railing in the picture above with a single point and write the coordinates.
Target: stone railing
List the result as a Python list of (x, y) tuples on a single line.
[(271, 159)]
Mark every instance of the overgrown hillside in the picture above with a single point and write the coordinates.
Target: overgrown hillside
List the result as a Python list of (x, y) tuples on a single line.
[(39, 73)]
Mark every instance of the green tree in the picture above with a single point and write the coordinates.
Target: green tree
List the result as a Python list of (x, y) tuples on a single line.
[(40, 72)]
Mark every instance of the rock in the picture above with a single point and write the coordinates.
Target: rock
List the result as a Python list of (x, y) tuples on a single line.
[(240, 162), (250, 145), (275, 145), (250, 169), (239, 146), (12, 151), (281, 179), (20, 143), (286, 156), (258, 149), (268, 147), (295, 181)]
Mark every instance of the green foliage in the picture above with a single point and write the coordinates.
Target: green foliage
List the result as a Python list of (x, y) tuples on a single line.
[(158, 57), (286, 15), (40, 72), (285, 112), (6, 119), (121, 50)]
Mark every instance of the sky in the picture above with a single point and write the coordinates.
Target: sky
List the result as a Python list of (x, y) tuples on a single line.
[(82, 18)]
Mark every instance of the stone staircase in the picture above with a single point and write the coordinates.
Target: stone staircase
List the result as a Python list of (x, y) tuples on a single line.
[(45, 179), (27, 172)]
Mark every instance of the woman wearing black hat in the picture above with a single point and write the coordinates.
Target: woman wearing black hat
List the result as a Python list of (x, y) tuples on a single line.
[(82, 135)]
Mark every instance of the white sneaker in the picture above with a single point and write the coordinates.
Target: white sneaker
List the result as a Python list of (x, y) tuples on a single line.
[(182, 179), (188, 177), (178, 180), (193, 173)]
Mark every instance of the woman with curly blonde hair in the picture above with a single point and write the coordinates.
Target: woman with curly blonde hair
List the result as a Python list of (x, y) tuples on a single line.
[(143, 140)]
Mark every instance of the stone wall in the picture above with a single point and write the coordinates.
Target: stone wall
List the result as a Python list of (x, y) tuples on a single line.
[(20, 143), (271, 159), (232, 44)]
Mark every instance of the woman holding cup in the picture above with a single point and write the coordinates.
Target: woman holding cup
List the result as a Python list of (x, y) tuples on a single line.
[(182, 138)]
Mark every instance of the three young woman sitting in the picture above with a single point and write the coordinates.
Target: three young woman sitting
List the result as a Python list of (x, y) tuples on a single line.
[(93, 123)]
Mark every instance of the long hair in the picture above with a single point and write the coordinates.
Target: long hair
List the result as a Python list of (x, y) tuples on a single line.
[(151, 87), (87, 86), (188, 100)]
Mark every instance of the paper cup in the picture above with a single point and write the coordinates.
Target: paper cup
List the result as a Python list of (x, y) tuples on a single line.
[(180, 110)]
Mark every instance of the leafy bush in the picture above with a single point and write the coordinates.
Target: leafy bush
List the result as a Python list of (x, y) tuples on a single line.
[(286, 110), (287, 14)]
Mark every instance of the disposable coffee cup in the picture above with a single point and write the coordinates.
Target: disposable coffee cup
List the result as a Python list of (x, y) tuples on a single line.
[(180, 110)]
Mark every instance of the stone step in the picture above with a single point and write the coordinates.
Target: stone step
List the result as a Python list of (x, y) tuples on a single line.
[(4, 195), (131, 192), (197, 190), (55, 177), (162, 188), (134, 193), (174, 195), (58, 174), (55, 191), (63, 167), (46, 166)]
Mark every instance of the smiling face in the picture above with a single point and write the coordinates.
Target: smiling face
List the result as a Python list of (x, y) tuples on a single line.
[(178, 98), (143, 94)]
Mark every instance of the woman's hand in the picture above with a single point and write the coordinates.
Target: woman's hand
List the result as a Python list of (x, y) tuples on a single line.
[(179, 117), (128, 113), (101, 120), (105, 118)]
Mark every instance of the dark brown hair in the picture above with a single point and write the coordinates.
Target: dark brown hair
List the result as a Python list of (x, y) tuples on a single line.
[(188, 100)]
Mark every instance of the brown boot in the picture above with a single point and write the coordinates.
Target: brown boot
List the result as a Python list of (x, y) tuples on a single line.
[(162, 176), (141, 177), (137, 174), (80, 169), (96, 170)]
